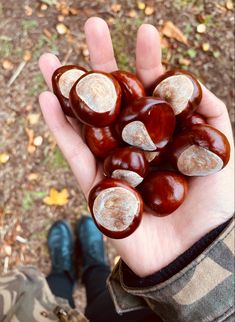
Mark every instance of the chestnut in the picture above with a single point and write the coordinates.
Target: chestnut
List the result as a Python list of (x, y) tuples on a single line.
[(128, 164), (155, 158), (200, 151), (116, 208), (148, 123), (63, 79), (96, 98), (194, 119), (101, 141), (181, 89), (164, 191), (131, 86)]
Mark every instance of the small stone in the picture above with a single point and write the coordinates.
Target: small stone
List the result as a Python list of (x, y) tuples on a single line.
[(205, 46), (61, 29), (7, 65), (27, 55), (132, 14), (149, 11), (201, 28), (4, 157), (229, 5), (60, 18), (38, 140)]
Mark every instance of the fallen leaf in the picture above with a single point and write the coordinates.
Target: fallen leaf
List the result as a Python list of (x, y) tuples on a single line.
[(141, 5), (61, 29), (184, 61), (7, 64), (164, 42), (60, 18), (30, 134), (63, 7), (38, 140), (31, 149), (27, 55), (171, 31), (216, 54), (43, 7), (116, 259), (47, 33), (33, 118), (56, 198), (201, 28), (4, 157), (74, 11), (205, 46), (192, 53), (229, 5), (132, 13), (149, 11), (28, 10), (33, 176), (116, 7)]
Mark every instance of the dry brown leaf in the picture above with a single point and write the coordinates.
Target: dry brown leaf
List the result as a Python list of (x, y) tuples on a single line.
[(141, 5), (33, 118), (116, 7), (27, 55), (56, 198), (33, 176), (164, 42), (63, 8), (61, 29), (7, 64), (201, 28), (47, 33), (74, 11), (149, 11), (132, 13), (205, 46), (4, 157), (28, 10), (171, 31), (116, 259), (184, 61), (229, 5)]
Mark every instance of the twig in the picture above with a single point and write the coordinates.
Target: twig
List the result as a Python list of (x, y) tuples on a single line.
[(16, 73), (66, 58), (6, 264)]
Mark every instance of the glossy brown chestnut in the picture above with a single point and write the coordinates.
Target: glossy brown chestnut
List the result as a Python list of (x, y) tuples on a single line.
[(200, 150), (128, 164), (164, 191), (181, 90), (96, 98), (101, 141), (155, 158), (62, 81), (194, 119), (116, 208), (131, 86), (148, 123)]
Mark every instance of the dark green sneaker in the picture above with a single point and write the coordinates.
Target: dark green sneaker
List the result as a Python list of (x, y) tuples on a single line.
[(91, 244), (61, 246)]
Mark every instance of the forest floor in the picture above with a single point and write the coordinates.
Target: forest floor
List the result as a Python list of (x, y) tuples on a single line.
[(197, 35)]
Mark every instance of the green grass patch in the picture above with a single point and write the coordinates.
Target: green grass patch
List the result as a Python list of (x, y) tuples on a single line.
[(6, 46), (29, 25), (121, 30), (37, 85), (45, 42), (30, 197), (56, 160)]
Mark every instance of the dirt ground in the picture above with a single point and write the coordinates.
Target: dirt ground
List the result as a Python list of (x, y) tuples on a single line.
[(31, 163)]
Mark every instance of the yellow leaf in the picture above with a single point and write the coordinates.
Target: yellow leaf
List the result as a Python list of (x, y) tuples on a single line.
[(61, 28), (56, 198), (33, 118), (229, 5), (4, 157), (205, 46), (116, 7), (149, 11), (141, 5), (171, 31)]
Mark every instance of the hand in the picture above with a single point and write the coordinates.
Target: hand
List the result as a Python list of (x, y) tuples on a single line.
[(157, 241)]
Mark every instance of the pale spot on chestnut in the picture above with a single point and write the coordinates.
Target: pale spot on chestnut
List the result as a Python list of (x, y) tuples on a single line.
[(131, 177), (98, 92), (115, 208), (136, 134), (198, 161), (177, 90), (150, 156), (67, 79)]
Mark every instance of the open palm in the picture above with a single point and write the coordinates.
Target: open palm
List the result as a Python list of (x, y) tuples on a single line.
[(157, 241)]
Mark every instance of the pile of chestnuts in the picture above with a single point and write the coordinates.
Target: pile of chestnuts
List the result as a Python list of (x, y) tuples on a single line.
[(150, 142)]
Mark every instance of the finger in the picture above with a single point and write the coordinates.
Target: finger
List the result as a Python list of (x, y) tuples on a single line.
[(148, 54), (100, 45), (216, 113), (48, 63), (75, 151)]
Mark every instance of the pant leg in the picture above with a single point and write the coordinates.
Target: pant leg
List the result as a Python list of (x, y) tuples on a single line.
[(100, 307), (61, 285)]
